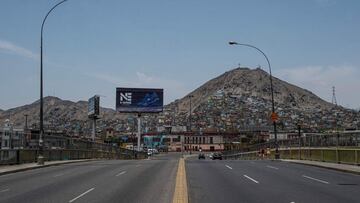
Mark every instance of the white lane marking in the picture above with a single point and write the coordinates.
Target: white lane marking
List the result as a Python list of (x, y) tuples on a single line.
[(61, 174), (82, 195), (311, 178), (255, 181), (228, 167), (119, 174), (273, 167), (137, 165), (292, 202), (5, 190)]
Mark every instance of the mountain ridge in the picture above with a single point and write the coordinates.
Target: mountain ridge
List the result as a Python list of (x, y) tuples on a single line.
[(236, 99), (213, 85)]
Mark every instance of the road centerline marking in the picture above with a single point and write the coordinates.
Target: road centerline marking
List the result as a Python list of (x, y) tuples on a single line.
[(228, 167), (255, 181), (121, 173), (273, 167), (89, 190), (5, 190), (181, 191), (315, 179)]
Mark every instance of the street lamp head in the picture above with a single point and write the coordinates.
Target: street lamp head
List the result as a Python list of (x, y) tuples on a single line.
[(233, 43)]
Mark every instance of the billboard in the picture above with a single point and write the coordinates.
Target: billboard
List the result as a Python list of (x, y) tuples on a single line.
[(94, 106), (139, 100)]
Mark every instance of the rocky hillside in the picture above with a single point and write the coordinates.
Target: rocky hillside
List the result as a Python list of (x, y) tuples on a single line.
[(241, 99), (56, 111), (245, 82), (237, 99)]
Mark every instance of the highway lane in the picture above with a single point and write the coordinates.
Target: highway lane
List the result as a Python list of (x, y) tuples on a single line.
[(267, 181), (97, 181)]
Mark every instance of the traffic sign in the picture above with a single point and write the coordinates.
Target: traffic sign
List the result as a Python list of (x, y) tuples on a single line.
[(274, 116)]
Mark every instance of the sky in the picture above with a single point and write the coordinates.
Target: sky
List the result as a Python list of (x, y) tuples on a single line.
[(92, 46)]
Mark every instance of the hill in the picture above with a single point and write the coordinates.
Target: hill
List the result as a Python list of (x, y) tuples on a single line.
[(245, 82), (56, 112), (241, 99), (236, 100)]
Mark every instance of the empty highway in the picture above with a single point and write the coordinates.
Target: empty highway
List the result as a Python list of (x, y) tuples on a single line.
[(154, 181), (96, 181), (267, 181)]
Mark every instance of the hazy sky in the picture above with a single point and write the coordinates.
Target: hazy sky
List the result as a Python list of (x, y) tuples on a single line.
[(92, 46)]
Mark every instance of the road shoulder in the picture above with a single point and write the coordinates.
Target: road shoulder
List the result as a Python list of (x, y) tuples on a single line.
[(333, 166), (7, 169)]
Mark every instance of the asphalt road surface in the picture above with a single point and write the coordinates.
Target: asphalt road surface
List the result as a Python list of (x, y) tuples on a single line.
[(267, 181), (154, 181), (96, 181)]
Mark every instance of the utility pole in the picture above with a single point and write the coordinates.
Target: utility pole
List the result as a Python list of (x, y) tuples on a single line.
[(299, 135), (190, 96), (139, 132), (26, 123)]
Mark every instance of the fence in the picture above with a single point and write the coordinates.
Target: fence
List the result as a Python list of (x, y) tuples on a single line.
[(333, 155), (19, 156), (310, 140)]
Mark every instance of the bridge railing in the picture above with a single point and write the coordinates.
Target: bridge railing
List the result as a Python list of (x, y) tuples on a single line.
[(311, 140), (19, 156), (332, 155)]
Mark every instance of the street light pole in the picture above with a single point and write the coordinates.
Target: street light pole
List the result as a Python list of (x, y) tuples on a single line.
[(41, 136), (190, 96), (277, 155)]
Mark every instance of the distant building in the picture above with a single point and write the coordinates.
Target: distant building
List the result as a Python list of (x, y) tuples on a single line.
[(205, 142), (11, 138)]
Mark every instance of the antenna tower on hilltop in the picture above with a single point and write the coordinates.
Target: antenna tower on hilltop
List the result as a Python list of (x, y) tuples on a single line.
[(333, 96)]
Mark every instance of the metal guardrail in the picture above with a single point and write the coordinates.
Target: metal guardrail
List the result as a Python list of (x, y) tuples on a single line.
[(332, 155), (19, 156), (309, 140)]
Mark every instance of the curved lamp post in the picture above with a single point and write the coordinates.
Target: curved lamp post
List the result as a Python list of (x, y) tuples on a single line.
[(277, 155), (41, 137)]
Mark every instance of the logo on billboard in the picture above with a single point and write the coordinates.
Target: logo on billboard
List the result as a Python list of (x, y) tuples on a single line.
[(139, 100), (125, 98)]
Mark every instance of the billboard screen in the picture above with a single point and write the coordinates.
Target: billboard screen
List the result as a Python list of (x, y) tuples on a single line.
[(94, 106), (139, 100)]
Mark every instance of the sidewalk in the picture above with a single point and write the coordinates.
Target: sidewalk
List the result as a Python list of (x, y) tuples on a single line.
[(6, 169), (339, 167)]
